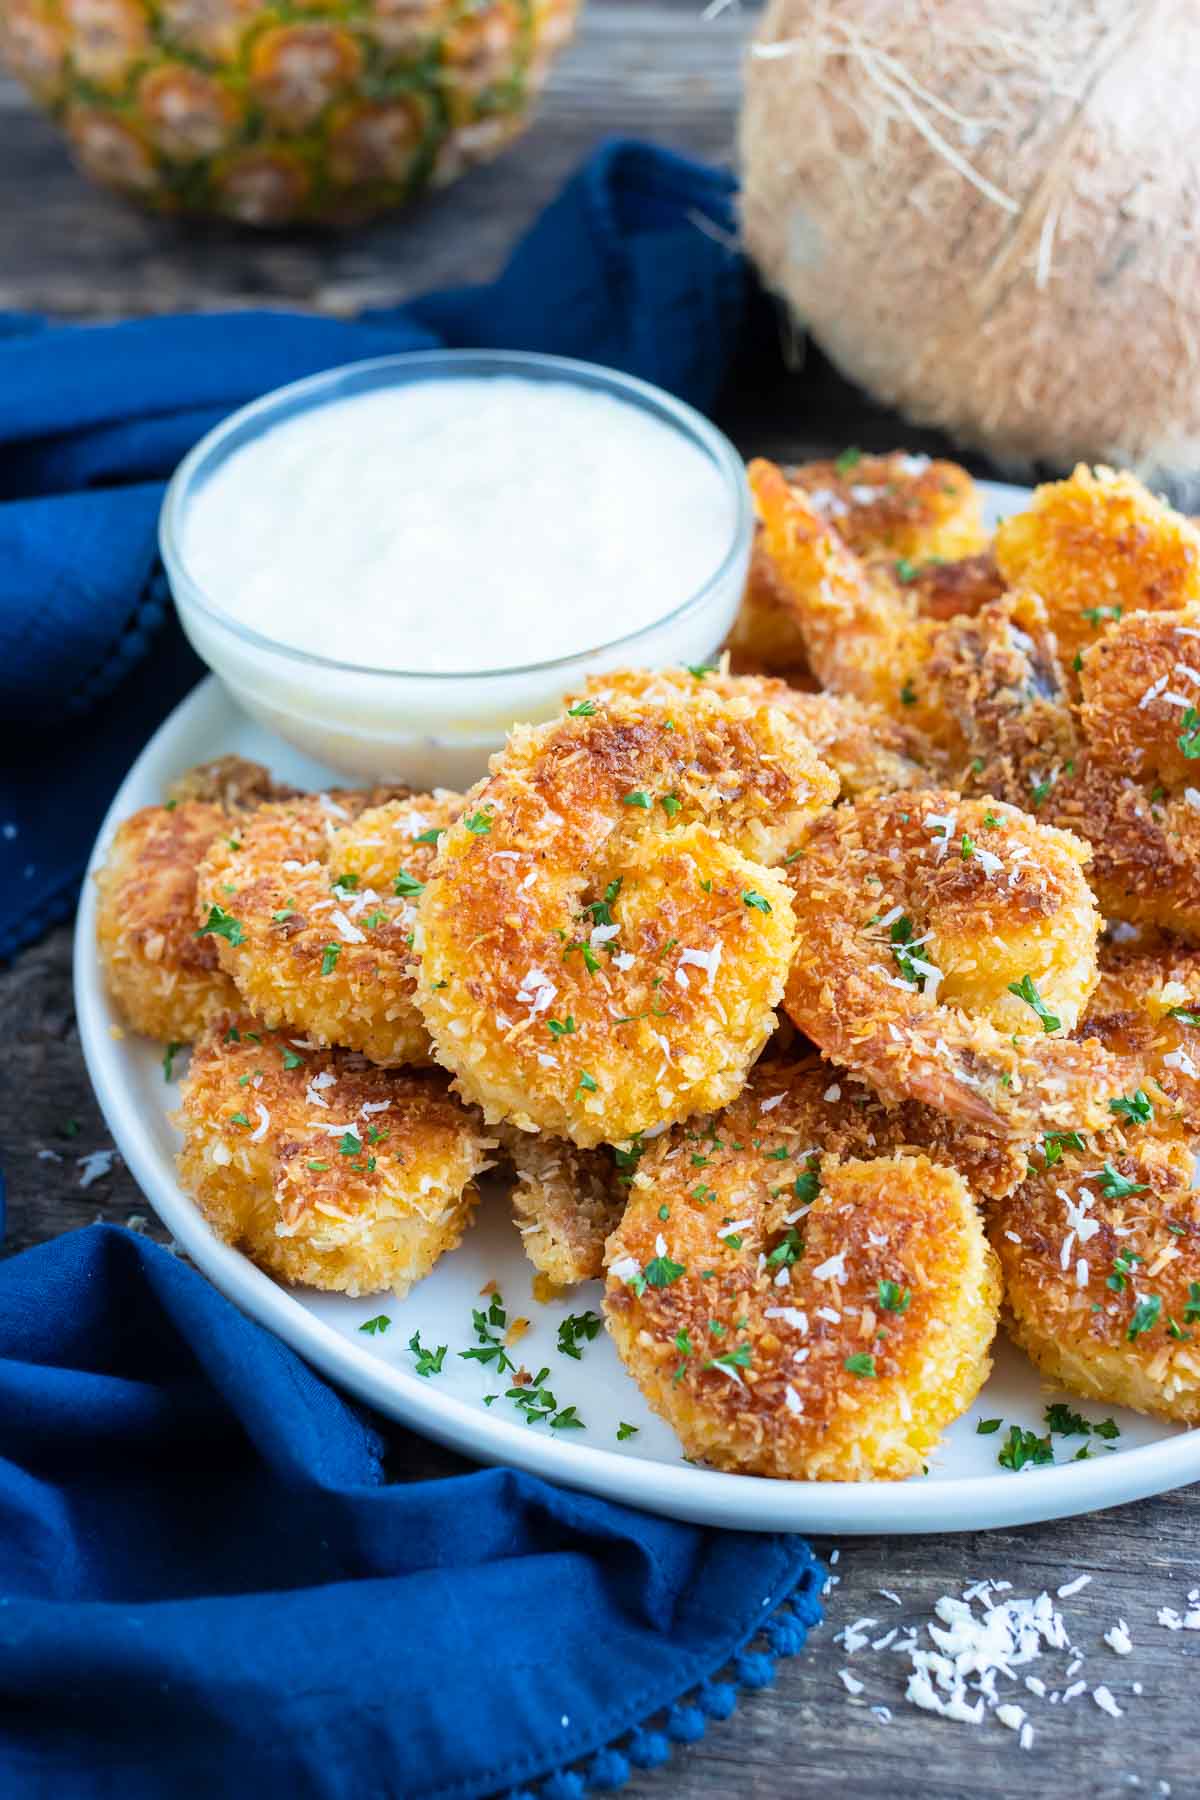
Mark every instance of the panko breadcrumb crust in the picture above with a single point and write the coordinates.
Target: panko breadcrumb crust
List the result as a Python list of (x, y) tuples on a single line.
[(792, 1313), (1101, 1260), (325, 1170), (1146, 1010), (602, 944), (984, 899), (565, 1203), (315, 912)]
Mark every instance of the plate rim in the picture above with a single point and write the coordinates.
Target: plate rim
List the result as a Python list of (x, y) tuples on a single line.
[(701, 1496)]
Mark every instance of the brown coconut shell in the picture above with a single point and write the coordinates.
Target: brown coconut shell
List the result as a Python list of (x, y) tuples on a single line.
[(987, 212)]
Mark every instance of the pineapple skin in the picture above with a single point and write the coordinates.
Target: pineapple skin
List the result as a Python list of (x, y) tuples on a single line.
[(280, 112)]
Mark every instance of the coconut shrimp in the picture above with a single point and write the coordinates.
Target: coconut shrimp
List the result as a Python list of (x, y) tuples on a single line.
[(868, 751), (1100, 1251), (165, 981), (945, 947), (1095, 547), (321, 1168), (602, 942), (566, 1202), (794, 1312), (312, 907), (1146, 1009)]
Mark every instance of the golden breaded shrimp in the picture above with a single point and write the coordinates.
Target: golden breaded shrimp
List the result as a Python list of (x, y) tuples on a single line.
[(323, 1169), (602, 942), (794, 1314), (566, 1202), (1095, 546), (1101, 1259), (313, 912), (903, 507), (765, 635), (861, 634), (1146, 1010), (868, 751), (164, 980), (940, 941)]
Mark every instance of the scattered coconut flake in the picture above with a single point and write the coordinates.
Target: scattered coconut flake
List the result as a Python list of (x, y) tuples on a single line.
[(263, 1126), (1073, 1587), (1117, 1638), (850, 1682), (95, 1166), (832, 1269), (770, 1104), (1106, 1703)]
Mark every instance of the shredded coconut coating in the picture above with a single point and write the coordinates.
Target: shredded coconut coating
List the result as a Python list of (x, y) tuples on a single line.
[(1146, 1010), (896, 505), (328, 1172), (165, 982), (1100, 1288), (868, 750), (565, 1203), (1099, 540), (602, 941), (753, 1316), (324, 898), (915, 915)]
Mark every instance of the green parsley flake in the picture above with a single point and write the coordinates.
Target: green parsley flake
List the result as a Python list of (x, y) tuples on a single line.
[(376, 1326), (329, 959), (429, 1362), (168, 1061), (1026, 990), (407, 886), (906, 571), (660, 1271), (1115, 1186), (478, 824), (576, 1330), (847, 460), (670, 804), (636, 797), (861, 1363), (625, 1430), (750, 898), (893, 1298), (1146, 1315), (1022, 1446), (986, 1427), (1135, 1107), (587, 1084), (700, 670), (239, 1118), (1189, 737), (562, 1027), (582, 709), (219, 923)]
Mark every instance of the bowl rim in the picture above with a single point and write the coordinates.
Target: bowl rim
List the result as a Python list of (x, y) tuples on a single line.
[(250, 421)]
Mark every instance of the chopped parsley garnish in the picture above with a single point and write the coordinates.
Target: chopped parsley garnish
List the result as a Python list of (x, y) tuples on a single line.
[(1135, 1107), (1115, 1186), (587, 1084), (731, 1359), (1122, 1268), (478, 823), (1026, 990), (562, 1027), (372, 920), (591, 961), (700, 670), (670, 804), (1098, 615), (683, 1344), (1146, 1315), (893, 1298), (318, 1168), (847, 460), (350, 1144), (906, 571), (1064, 1420), (376, 1326), (601, 910), (625, 1430), (861, 1363), (329, 958), (1187, 1015), (750, 898), (582, 709), (1191, 1311), (407, 886), (908, 694), (1022, 1446), (429, 1362), (627, 1158), (489, 1349), (348, 882), (660, 1271), (1042, 788), (233, 1035), (239, 1118), (219, 923), (430, 835), (576, 1330), (787, 1251), (636, 797), (168, 1061), (968, 847), (990, 819), (1189, 737), (807, 1186), (986, 1427)]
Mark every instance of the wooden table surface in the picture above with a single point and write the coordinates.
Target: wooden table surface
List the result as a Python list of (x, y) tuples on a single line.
[(656, 68)]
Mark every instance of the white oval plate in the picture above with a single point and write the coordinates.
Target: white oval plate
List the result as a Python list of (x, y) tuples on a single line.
[(964, 1489)]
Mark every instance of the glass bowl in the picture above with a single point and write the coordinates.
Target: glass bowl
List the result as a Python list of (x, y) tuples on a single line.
[(434, 729)]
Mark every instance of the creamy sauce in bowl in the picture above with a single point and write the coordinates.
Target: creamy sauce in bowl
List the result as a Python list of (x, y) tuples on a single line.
[(468, 525)]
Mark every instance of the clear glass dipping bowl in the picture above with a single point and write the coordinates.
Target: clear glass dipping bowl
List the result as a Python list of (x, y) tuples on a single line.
[(434, 729)]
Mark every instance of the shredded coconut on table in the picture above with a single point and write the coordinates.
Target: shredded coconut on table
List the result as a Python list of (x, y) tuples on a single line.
[(95, 1166)]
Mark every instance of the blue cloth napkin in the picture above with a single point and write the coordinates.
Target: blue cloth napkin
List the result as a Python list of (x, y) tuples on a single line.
[(629, 266), (208, 1585)]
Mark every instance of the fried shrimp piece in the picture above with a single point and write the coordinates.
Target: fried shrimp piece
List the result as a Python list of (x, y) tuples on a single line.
[(944, 948), (793, 1313), (312, 909), (1146, 1009), (602, 943), (1095, 546), (765, 636), (859, 631), (897, 505), (566, 1202), (166, 982), (321, 1168), (1101, 1259), (868, 751)]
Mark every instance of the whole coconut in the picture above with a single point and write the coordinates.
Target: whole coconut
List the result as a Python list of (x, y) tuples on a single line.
[(988, 213)]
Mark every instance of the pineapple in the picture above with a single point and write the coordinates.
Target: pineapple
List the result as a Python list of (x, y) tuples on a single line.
[(271, 112)]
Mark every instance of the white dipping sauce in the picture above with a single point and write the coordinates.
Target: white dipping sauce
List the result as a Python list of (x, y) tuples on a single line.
[(452, 525)]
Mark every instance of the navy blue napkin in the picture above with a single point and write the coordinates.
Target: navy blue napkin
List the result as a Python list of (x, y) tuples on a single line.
[(629, 266), (209, 1585)]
